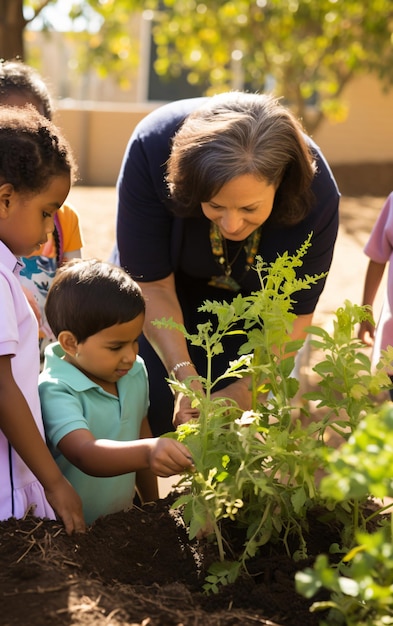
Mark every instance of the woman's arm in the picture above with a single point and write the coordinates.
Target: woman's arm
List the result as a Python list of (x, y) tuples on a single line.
[(299, 326), (170, 344)]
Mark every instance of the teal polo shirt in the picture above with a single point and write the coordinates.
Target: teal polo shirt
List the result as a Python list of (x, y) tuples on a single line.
[(70, 401)]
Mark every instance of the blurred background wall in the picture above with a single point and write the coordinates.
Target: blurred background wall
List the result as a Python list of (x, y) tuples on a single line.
[(98, 116), (359, 150)]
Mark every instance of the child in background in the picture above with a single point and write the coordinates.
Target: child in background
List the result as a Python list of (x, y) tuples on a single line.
[(94, 391), (20, 84), (36, 167), (380, 250)]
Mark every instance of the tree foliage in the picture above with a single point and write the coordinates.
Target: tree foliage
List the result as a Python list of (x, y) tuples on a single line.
[(305, 51), (114, 48)]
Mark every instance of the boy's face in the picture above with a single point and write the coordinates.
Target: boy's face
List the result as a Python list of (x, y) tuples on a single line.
[(108, 355)]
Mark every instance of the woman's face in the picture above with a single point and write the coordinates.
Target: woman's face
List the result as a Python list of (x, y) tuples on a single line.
[(240, 207)]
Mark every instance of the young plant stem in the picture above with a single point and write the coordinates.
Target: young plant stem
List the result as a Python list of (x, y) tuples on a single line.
[(220, 544), (260, 525)]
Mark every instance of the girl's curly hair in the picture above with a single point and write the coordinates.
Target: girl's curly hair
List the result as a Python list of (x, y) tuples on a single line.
[(32, 150), (17, 78)]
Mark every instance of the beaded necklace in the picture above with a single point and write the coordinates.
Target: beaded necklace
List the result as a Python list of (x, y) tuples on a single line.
[(220, 251)]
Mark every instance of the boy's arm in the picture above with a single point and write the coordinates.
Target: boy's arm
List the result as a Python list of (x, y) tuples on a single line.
[(105, 457)]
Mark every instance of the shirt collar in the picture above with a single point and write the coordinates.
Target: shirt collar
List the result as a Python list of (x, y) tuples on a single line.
[(56, 367), (66, 372), (13, 263)]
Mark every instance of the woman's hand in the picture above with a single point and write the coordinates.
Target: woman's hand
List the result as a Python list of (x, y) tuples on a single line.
[(183, 411), (239, 391)]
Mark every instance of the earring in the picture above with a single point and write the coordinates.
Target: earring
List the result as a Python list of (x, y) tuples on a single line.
[(76, 354)]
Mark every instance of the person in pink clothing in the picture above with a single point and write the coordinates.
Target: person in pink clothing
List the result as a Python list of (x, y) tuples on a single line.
[(379, 249), (36, 170), (21, 84)]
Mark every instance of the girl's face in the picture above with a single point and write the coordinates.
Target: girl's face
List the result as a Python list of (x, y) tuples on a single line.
[(108, 355), (26, 219), (240, 207)]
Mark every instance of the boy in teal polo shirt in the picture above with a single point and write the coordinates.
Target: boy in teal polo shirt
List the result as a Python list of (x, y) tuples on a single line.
[(94, 391)]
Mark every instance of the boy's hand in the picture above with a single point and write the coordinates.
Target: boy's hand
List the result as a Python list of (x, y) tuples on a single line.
[(169, 457)]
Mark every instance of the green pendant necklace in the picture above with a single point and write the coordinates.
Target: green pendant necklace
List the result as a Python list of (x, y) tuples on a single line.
[(220, 251)]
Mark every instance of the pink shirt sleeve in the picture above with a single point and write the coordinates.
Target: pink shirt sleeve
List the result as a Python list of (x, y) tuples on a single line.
[(380, 244), (379, 248)]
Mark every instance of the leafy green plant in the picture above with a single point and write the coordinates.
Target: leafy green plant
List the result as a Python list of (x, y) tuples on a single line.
[(258, 469), (361, 583), (346, 384)]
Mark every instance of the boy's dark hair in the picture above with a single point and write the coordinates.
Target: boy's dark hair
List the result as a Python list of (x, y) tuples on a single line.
[(18, 78), (32, 150), (89, 295)]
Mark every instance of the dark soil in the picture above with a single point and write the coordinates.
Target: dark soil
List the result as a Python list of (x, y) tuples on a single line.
[(139, 569)]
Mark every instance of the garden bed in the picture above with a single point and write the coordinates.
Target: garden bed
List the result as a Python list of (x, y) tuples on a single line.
[(138, 568)]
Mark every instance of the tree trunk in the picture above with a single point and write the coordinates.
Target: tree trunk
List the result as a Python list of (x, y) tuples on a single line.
[(12, 25)]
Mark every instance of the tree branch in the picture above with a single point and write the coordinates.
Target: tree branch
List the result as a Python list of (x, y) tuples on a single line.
[(38, 10)]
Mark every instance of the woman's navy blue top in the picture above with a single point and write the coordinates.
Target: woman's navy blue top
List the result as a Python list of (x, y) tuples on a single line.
[(153, 243)]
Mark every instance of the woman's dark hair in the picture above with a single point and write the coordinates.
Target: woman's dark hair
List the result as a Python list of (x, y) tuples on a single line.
[(234, 134), (17, 78), (32, 150), (89, 295)]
